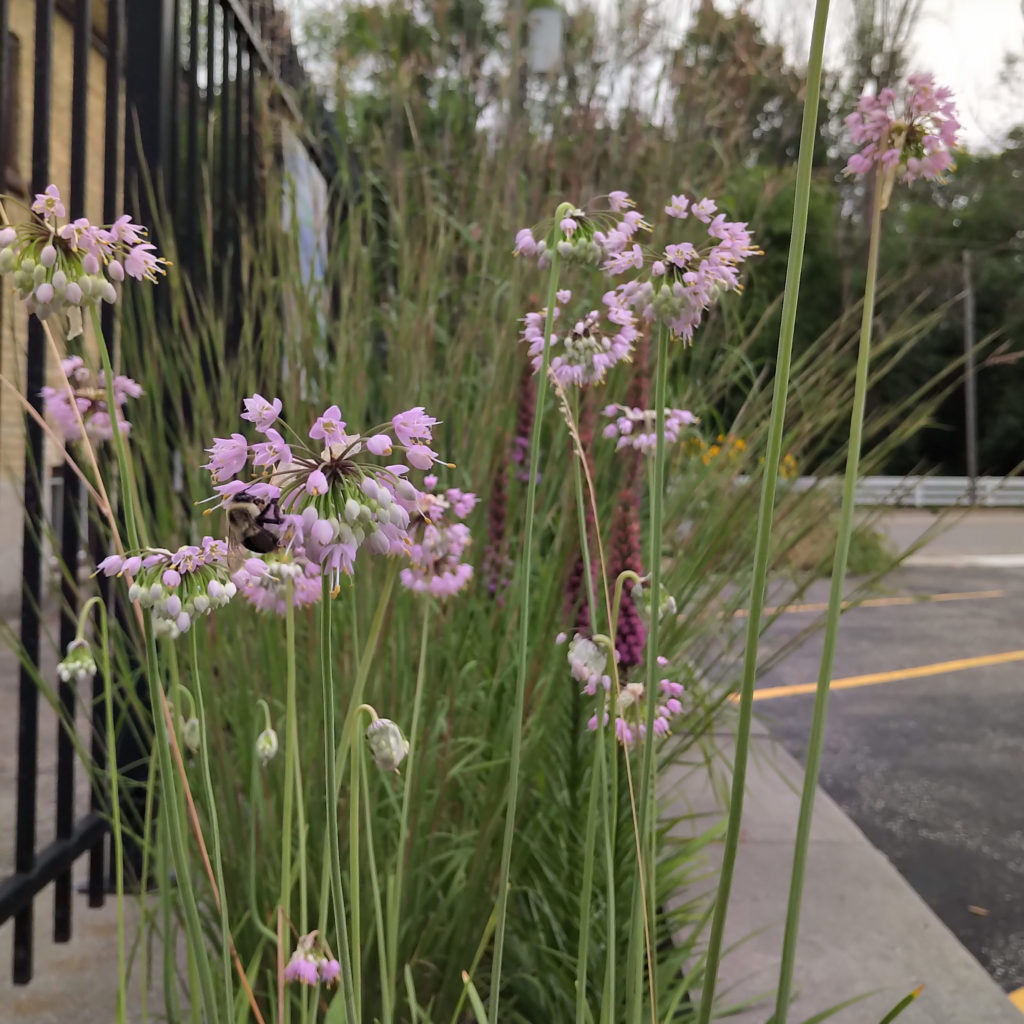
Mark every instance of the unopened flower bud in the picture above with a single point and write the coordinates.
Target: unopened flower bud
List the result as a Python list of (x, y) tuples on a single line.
[(190, 735), (48, 256), (78, 664), (387, 744), (266, 746)]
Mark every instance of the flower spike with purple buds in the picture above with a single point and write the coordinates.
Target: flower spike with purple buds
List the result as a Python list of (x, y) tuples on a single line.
[(635, 428), (585, 352), (179, 586), (59, 268), (907, 137), (335, 495), (91, 398)]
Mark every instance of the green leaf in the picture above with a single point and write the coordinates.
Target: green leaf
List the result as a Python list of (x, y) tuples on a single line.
[(336, 1011), (832, 1010), (474, 999), (901, 1005)]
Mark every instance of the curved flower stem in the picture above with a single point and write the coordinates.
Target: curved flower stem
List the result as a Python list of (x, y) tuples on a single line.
[(762, 544), (386, 993), (355, 924), (519, 704), (395, 904), (835, 607)]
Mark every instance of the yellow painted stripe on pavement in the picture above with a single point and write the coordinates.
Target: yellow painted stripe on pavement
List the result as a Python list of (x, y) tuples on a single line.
[(1017, 998), (874, 678), (883, 602)]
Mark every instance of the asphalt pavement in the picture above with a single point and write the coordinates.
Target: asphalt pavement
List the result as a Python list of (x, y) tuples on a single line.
[(924, 749)]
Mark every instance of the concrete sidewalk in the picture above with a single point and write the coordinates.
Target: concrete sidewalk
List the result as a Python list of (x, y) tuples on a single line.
[(863, 928), (982, 537)]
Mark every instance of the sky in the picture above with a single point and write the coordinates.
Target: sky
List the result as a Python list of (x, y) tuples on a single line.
[(963, 42)]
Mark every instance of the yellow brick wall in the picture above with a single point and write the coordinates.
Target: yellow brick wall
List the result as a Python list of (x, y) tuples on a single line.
[(13, 333)]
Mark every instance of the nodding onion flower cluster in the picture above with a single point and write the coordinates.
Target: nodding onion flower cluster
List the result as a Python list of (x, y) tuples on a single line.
[(588, 663), (179, 586), (91, 398), (674, 285), (334, 495), (438, 544), (635, 428), (61, 268), (906, 137), (312, 963), (585, 352), (267, 589)]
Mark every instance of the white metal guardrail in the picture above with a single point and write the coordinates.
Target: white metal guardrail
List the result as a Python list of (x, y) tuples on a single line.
[(927, 491)]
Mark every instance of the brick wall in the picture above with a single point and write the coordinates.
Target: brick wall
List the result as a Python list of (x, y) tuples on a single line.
[(13, 331)]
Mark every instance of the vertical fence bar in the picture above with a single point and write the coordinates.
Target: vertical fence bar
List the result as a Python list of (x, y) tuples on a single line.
[(71, 495), (211, 118), (239, 91), (224, 126), (192, 155), (172, 167), (253, 128), (31, 549), (114, 135), (5, 100)]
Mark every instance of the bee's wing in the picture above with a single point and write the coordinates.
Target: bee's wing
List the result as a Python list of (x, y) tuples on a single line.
[(237, 554)]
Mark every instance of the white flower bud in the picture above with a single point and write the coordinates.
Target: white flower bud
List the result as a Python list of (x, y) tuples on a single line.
[(190, 735), (266, 746), (387, 744), (352, 510)]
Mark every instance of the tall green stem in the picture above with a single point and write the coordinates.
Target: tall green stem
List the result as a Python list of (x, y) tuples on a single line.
[(355, 924), (395, 905), (291, 740), (333, 825), (524, 642), (835, 607), (808, 135)]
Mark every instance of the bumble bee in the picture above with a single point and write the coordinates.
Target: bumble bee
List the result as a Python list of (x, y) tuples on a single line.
[(249, 522)]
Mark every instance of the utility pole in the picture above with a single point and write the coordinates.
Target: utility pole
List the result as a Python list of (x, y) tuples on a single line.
[(970, 384)]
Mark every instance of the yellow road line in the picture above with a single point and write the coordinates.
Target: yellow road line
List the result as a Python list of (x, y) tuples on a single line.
[(918, 672), (1017, 998), (883, 602)]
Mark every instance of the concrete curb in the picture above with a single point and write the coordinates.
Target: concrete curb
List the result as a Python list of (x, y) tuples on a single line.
[(863, 929)]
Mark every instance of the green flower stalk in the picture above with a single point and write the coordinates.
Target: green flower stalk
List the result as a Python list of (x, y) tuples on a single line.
[(916, 144), (762, 548)]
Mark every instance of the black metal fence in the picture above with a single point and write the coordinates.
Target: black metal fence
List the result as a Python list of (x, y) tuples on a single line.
[(182, 122)]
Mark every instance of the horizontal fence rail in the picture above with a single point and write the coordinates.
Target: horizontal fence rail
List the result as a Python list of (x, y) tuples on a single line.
[(923, 491)]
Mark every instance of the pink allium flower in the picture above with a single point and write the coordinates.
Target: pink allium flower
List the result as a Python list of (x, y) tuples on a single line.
[(588, 662), (330, 971), (178, 586), (911, 135), (635, 428), (439, 545), (413, 426), (48, 203), (329, 501), (227, 456), (688, 277), (330, 427), (91, 399), (57, 268), (631, 711), (267, 588), (302, 969), (261, 412), (618, 201), (585, 354)]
